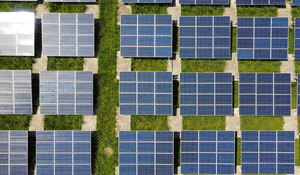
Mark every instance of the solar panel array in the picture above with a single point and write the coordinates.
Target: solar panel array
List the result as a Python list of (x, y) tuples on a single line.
[(70, 0), (207, 152), (13, 152), (68, 34), (204, 37), (66, 92), (146, 152), (17, 33), (147, 1), (15, 92), (63, 152), (268, 152), (204, 94), (205, 2), (298, 94), (146, 35), (146, 93), (262, 38), (297, 38), (260, 2), (295, 2), (265, 94)]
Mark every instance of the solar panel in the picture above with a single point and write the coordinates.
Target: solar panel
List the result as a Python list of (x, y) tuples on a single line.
[(70, 0), (206, 94), (207, 152), (63, 152), (15, 92), (66, 92), (17, 33), (268, 152), (297, 38), (68, 34), (146, 152), (204, 37), (204, 2), (146, 35), (147, 1), (265, 94), (260, 2), (263, 38), (295, 2), (146, 93)]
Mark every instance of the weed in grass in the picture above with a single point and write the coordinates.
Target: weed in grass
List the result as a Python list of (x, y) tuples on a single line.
[(294, 95), (295, 12), (233, 39), (148, 64), (262, 123), (16, 63), (55, 63), (297, 66), (202, 65), (149, 8), (203, 122), (17, 6), (14, 122), (259, 66), (66, 7), (291, 40), (149, 123), (188, 10), (238, 151), (63, 122), (236, 94), (262, 11)]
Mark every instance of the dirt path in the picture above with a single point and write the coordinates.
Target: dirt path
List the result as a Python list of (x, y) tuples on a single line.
[(286, 12), (39, 64), (291, 123), (232, 66), (123, 64), (175, 122), (91, 64), (175, 10), (289, 67), (89, 123), (37, 122), (233, 123), (123, 9), (232, 12), (123, 122)]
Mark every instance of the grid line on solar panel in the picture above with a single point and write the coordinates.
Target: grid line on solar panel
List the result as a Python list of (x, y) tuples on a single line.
[(297, 38), (66, 34), (204, 2), (207, 152), (260, 2), (146, 152), (204, 37), (295, 2), (66, 92), (206, 94), (146, 93), (268, 152), (15, 92), (63, 152), (147, 1), (146, 35), (262, 38), (265, 94)]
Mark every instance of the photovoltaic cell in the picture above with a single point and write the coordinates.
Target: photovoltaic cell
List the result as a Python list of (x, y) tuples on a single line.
[(66, 92), (66, 34), (295, 2), (265, 94), (204, 37), (262, 38), (207, 152), (260, 2), (63, 152), (146, 35), (204, 2), (268, 152), (146, 93), (206, 94), (146, 152)]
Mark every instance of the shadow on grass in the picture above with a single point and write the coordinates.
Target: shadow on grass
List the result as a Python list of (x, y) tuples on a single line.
[(95, 140), (176, 151), (31, 152), (35, 92)]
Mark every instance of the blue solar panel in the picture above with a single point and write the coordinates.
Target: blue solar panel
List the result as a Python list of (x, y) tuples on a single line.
[(204, 37), (265, 94), (63, 152), (206, 94), (260, 2), (207, 152), (146, 93), (268, 152), (262, 38), (295, 2), (204, 2), (146, 35), (146, 152)]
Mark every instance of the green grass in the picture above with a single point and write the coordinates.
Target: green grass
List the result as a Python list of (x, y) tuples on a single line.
[(291, 40), (259, 66), (66, 7), (187, 10), (203, 123), (16, 63), (143, 64), (288, 0), (17, 6), (261, 123), (149, 123), (149, 8), (297, 145), (238, 151), (55, 63), (63, 122), (297, 66), (257, 11), (236, 94), (294, 95), (295, 12), (298, 123), (233, 39), (14, 122), (202, 65)]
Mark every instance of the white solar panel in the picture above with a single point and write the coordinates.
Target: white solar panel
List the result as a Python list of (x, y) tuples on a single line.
[(17, 33)]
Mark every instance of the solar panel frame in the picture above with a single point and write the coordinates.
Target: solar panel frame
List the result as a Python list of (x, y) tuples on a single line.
[(267, 139), (147, 137), (247, 103), (258, 3), (60, 91), (204, 2), (246, 40)]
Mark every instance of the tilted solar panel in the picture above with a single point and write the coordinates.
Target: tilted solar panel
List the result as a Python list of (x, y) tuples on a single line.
[(147, 1), (146, 152), (204, 2), (204, 37), (268, 152), (66, 92), (146, 93), (206, 94), (207, 152), (260, 2), (295, 2), (262, 38), (146, 35)]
